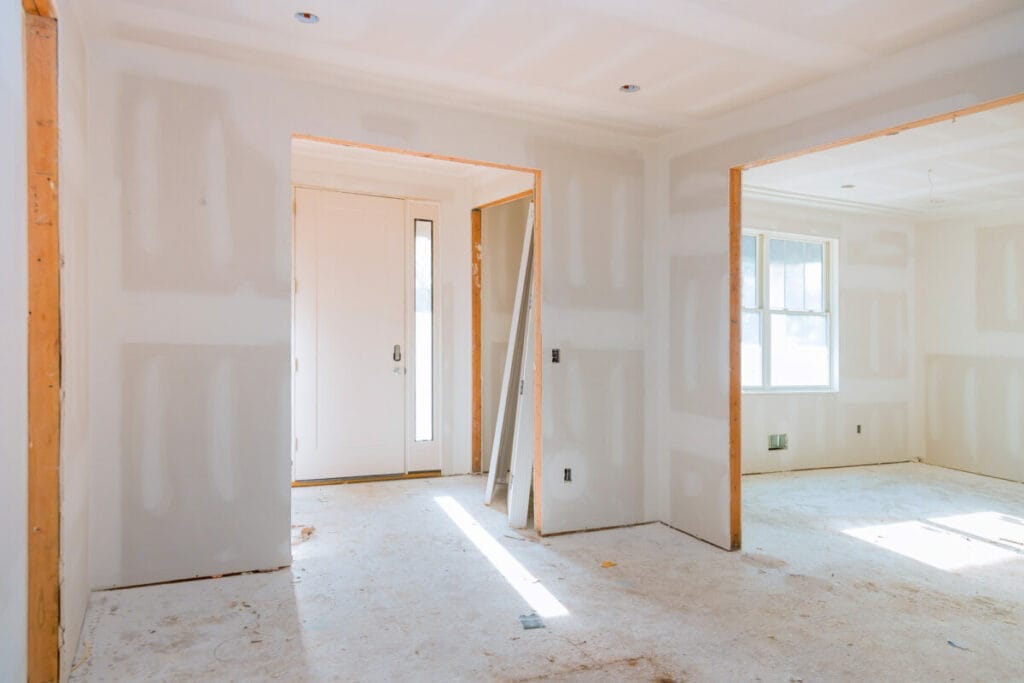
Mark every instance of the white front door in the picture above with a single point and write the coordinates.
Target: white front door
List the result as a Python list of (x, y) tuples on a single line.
[(350, 335)]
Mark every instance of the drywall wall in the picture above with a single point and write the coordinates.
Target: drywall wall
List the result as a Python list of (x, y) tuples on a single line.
[(75, 364), (13, 350), (876, 387), (686, 241), (190, 304), (970, 297), (501, 246)]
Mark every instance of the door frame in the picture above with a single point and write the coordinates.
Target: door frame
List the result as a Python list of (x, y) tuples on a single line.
[(476, 241), (537, 286), (736, 283)]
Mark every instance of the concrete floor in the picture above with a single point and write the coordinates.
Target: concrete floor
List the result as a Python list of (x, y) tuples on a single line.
[(389, 588)]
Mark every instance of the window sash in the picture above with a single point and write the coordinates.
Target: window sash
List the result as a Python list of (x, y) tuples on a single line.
[(765, 311)]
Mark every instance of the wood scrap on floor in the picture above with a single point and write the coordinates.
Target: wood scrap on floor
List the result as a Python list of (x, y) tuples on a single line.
[(305, 533)]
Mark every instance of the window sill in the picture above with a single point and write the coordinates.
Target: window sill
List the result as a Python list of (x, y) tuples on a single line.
[(791, 390)]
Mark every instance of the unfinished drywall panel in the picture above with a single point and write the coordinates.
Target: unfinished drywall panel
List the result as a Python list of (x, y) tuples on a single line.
[(501, 247), (974, 407), (1000, 281), (593, 313), (210, 217), (184, 486), (75, 363), (971, 340), (690, 215), (870, 417), (13, 350)]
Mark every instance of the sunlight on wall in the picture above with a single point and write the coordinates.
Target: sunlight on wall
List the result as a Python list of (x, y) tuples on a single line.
[(951, 543), (542, 601)]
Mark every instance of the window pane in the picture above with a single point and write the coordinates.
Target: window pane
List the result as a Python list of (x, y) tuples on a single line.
[(797, 272), (749, 267), (777, 273), (814, 276), (799, 356), (424, 282), (794, 275), (750, 360)]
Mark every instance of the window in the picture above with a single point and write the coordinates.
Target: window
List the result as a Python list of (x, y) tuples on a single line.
[(424, 328), (788, 324)]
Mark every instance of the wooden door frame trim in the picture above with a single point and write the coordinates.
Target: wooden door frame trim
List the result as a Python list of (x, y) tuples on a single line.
[(44, 342), (476, 239), (475, 251), (735, 282), (538, 430), (39, 8)]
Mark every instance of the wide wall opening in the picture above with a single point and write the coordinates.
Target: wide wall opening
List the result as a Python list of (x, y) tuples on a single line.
[(879, 335)]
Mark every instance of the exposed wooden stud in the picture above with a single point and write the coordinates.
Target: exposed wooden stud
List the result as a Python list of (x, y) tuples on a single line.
[(476, 243), (538, 349), (735, 378), (43, 350), (506, 200), (39, 8), (426, 474)]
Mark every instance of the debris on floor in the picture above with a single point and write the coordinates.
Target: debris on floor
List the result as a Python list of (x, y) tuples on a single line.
[(608, 563), (83, 656), (305, 533), (959, 647), (531, 621)]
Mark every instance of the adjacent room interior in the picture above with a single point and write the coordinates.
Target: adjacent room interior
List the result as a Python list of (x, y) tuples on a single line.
[(883, 323)]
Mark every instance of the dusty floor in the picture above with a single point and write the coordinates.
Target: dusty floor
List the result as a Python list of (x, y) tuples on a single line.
[(387, 587)]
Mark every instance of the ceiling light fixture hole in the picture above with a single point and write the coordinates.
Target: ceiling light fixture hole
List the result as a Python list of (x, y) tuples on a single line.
[(306, 17), (629, 87)]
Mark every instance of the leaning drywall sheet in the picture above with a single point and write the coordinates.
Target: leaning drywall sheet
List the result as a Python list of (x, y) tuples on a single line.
[(520, 482), (502, 229), (508, 401)]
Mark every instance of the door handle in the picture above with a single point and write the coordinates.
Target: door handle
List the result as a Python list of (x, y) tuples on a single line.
[(396, 355)]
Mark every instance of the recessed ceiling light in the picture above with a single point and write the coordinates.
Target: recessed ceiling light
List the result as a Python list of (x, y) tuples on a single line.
[(306, 17), (629, 87), (847, 186)]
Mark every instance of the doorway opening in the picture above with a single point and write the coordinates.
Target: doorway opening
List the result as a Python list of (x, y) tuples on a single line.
[(384, 311), (500, 241), (877, 328)]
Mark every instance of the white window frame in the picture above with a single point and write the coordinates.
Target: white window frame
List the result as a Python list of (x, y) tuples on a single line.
[(830, 294)]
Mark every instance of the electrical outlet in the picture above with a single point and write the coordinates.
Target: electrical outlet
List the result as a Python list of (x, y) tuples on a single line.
[(858, 429), (556, 355), (778, 442), (567, 475)]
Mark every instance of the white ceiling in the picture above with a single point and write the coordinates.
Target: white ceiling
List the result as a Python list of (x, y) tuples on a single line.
[(559, 59), (969, 161)]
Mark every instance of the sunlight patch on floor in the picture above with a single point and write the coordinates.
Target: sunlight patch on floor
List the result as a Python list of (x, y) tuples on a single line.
[(953, 542), (526, 584)]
